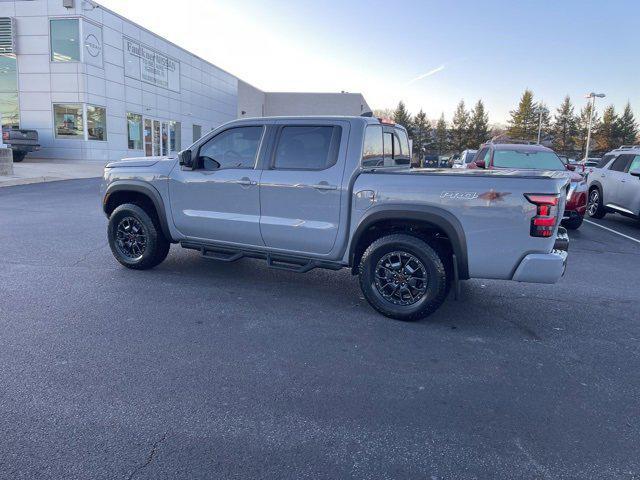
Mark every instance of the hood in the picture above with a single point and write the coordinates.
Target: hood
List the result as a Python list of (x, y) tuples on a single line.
[(137, 162)]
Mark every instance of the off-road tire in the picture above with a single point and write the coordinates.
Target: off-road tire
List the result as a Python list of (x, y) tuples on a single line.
[(435, 266), (573, 223), (156, 246), (598, 210)]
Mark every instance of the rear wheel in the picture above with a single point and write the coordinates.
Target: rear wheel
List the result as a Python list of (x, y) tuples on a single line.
[(18, 156), (403, 277), (595, 208), (136, 240)]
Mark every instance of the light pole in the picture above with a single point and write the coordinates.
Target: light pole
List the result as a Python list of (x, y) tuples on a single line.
[(592, 96), (540, 107)]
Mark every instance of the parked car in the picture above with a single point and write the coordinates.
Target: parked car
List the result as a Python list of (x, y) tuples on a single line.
[(21, 141), (430, 161), (464, 159), (323, 192), (614, 185), (592, 161), (494, 155)]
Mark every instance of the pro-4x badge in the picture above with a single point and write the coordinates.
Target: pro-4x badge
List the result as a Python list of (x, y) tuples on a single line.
[(459, 195)]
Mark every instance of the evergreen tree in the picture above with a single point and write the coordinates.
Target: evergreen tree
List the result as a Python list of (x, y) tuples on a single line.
[(441, 135), (421, 134), (523, 124), (565, 127), (401, 117), (627, 126), (583, 126), (459, 137), (543, 116), (608, 134), (478, 126)]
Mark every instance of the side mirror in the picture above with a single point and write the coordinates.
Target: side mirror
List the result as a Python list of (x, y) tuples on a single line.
[(571, 168), (635, 172), (480, 163), (185, 159)]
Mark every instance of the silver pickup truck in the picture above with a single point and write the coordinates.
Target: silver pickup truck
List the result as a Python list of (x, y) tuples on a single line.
[(335, 192)]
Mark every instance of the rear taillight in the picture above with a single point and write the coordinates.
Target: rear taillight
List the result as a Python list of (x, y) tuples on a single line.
[(544, 221), (5, 135)]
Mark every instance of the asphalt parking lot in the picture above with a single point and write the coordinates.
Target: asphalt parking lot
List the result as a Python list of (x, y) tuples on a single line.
[(204, 370)]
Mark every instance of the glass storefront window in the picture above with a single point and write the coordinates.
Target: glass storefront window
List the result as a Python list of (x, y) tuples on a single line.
[(134, 131), (96, 123), (9, 91), (65, 40), (175, 134), (68, 121)]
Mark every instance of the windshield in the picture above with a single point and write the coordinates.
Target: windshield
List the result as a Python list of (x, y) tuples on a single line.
[(470, 156), (527, 159)]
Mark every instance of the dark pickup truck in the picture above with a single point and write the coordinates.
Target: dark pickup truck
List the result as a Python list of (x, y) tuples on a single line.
[(21, 141)]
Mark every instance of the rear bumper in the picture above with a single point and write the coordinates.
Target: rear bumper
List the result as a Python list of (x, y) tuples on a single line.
[(545, 267), (23, 147)]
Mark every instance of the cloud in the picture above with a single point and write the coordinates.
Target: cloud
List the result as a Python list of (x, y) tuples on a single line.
[(425, 75)]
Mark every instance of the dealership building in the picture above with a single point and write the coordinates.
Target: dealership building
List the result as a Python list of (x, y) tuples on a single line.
[(97, 86)]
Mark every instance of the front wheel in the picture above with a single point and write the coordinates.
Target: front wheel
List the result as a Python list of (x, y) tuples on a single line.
[(135, 239), (403, 277), (595, 208)]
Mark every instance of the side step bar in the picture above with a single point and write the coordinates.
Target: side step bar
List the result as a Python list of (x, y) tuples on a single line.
[(274, 260)]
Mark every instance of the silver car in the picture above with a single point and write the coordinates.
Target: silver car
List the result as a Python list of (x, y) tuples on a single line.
[(614, 185)]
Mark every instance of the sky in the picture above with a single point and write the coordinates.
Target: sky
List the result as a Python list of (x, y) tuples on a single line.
[(429, 54)]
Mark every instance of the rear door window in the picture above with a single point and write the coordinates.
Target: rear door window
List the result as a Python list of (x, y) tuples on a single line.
[(307, 147), (620, 164)]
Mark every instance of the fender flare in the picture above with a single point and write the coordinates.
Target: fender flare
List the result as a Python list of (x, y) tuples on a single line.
[(145, 189), (596, 183), (444, 220)]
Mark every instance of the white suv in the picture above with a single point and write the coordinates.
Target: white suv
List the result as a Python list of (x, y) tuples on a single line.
[(614, 185)]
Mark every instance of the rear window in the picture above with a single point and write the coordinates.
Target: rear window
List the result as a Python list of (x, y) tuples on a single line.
[(468, 158), (307, 147), (527, 159), (373, 151), (402, 154), (385, 149)]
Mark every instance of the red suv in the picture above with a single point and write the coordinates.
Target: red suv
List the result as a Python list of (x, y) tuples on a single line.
[(522, 156)]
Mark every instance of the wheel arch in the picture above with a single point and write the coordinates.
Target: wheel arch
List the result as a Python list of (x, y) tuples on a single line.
[(133, 192), (405, 215), (596, 184)]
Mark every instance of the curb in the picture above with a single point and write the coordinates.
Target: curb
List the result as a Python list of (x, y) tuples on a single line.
[(12, 182)]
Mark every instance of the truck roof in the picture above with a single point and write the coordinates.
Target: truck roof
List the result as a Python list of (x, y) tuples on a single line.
[(349, 118)]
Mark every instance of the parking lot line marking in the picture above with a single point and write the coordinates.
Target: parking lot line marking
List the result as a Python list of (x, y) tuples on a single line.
[(612, 231)]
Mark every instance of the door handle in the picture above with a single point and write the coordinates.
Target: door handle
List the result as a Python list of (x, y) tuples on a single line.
[(324, 186), (602, 175), (245, 181)]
